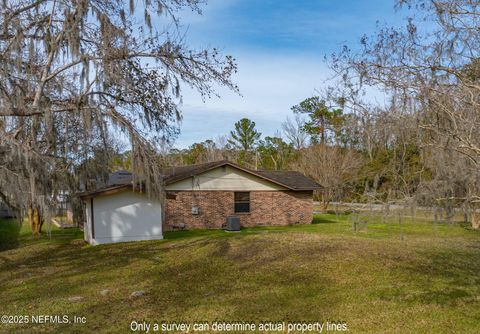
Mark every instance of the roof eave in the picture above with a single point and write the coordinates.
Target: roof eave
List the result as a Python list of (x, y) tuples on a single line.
[(246, 170), (105, 191), (307, 189)]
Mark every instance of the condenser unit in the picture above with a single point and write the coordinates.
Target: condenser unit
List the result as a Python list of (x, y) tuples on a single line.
[(233, 224)]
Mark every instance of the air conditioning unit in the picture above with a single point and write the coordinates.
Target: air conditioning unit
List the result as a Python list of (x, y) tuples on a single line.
[(195, 210), (233, 224)]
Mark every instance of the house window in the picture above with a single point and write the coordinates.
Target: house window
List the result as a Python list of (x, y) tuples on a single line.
[(171, 195), (242, 202)]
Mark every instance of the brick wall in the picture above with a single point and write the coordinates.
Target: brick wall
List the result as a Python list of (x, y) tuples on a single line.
[(266, 208)]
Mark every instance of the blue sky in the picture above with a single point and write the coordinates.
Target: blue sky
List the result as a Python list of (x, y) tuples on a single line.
[(279, 47)]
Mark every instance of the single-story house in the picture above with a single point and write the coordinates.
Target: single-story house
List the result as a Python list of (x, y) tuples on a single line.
[(199, 197)]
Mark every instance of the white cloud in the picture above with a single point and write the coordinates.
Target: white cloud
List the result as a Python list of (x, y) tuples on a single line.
[(270, 85)]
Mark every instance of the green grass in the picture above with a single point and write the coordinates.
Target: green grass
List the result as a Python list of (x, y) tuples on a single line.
[(9, 234), (408, 277)]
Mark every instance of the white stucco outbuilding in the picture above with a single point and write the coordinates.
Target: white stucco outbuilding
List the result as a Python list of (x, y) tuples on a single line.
[(120, 215)]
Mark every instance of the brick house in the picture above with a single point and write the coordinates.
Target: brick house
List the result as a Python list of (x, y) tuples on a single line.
[(222, 189), (200, 197)]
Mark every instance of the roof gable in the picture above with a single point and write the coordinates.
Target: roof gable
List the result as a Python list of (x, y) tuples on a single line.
[(287, 179), (224, 178)]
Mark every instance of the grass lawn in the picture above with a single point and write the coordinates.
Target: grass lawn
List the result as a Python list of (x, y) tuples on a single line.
[(409, 277)]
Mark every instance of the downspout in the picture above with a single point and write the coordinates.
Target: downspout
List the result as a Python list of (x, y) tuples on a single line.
[(163, 208), (92, 219)]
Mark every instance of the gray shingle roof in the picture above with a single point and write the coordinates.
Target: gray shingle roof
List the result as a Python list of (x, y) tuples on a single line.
[(289, 179), (295, 180)]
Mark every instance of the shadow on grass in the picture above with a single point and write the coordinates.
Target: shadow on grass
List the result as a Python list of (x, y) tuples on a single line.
[(323, 220), (9, 234), (191, 277), (212, 267), (64, 269), (457, 270), (444, 277), (244, 278)]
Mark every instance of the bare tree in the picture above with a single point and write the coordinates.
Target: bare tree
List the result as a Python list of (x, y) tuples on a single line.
[(334, 168), (294, 131), (434, 68)]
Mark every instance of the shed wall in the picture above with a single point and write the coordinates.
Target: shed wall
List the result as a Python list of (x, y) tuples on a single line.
[(124, 216)]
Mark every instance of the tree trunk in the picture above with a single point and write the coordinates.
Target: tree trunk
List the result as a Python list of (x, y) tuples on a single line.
[(30, 216), (475, 219), (466, 216), (36, 219), (323, 206), (325, 201)]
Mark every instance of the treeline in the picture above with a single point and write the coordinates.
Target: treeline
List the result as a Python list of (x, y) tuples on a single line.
[(401, 123), (316, 140), (361, 157)]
